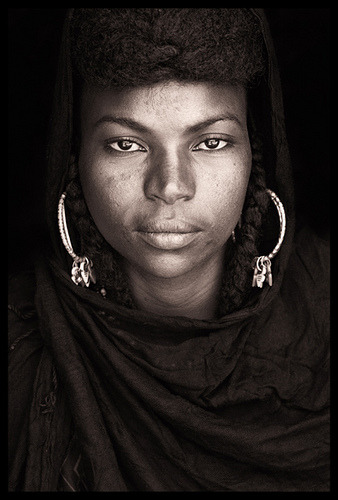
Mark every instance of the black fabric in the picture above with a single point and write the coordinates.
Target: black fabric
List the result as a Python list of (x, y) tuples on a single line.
[(170, 404), (72, 475), (174, 404)]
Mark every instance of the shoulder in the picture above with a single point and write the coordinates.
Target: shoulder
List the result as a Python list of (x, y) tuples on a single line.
[(22, 316), (23, 325), (299, 315), (309, 266), (21, 289), (312, 250), (294, 331), (25, 348), (305, 291)]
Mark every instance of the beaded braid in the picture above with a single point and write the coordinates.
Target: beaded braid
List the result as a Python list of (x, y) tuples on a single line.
[(107, 262), (237, 276), (131, 47)]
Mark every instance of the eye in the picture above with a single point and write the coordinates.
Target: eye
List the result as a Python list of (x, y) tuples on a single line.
[(125, 145), (211, 144)]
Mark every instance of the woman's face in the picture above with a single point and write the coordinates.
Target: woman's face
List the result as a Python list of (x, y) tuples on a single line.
[(164, 170)]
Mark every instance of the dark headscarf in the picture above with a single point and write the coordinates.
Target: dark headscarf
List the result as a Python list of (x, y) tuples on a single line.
[(169, 403)]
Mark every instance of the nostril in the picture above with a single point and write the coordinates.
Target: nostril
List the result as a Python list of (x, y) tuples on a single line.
[(170, 193), (170, 179)]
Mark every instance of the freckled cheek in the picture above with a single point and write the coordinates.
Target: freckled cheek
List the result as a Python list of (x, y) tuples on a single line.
[(110, 198), (226, 200)]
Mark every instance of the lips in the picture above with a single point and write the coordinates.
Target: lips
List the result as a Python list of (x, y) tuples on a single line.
[(168, 226), (168, 234)]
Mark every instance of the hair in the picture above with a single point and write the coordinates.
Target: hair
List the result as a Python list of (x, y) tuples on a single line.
[(134, 47)]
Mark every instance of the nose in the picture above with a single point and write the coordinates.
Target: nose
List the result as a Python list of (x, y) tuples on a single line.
[(170, 178)]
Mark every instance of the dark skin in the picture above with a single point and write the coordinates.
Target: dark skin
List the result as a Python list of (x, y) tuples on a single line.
[(164, 171)]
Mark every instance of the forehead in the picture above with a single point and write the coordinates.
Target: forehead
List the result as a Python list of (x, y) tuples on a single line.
[(180, 103)]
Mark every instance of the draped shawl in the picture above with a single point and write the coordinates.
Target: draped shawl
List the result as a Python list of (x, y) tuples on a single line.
[(170, 403)]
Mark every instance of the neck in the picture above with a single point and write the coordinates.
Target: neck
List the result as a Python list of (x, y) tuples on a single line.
[(194, 295)]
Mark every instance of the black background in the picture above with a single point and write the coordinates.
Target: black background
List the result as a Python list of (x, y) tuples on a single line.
[(302, 44)]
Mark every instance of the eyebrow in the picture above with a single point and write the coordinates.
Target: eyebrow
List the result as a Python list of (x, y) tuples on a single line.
[(127, 122), (130, 123)]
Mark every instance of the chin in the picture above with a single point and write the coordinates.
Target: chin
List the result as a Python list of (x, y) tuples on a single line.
[(166, 266)]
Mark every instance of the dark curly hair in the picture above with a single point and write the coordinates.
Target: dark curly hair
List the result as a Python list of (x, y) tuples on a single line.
[(133, 47)]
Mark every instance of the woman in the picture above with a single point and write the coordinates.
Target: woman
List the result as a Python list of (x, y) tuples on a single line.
[(170, 339)]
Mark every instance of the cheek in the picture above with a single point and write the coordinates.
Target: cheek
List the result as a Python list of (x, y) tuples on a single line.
[(226, 197), (109, 197)]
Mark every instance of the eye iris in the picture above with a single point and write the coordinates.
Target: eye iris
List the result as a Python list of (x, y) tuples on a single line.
[(125, 145), (212, 143)]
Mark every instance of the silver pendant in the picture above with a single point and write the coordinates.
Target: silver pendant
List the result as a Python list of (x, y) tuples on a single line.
[(83, 272), (262, 271)]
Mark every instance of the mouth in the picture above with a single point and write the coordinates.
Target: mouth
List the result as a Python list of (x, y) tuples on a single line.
[(168, 235)]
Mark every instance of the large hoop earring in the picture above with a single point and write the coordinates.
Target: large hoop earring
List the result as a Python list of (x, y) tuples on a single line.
[(262, 264), (82, 272)]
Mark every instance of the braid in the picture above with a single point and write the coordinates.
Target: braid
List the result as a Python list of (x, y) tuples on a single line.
[(132, 47), (238, 275), (93, 245)]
